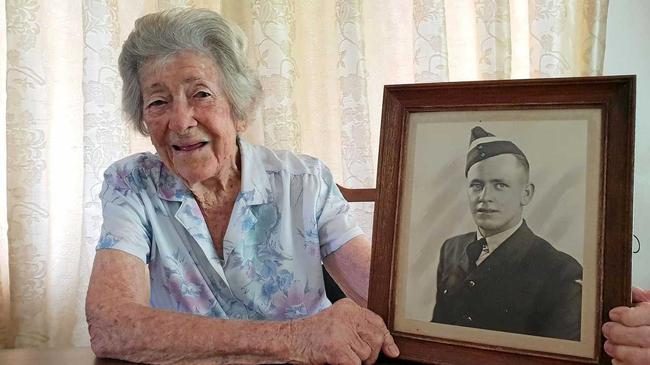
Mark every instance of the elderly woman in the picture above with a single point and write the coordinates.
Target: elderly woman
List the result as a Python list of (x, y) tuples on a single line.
[(233, 234)]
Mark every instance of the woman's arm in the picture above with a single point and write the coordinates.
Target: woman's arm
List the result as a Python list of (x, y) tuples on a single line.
[(350, 268), (123, 326)]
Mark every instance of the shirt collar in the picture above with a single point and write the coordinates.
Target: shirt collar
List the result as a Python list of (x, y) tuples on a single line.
[(170, 186), (255, 184), (493, 242)]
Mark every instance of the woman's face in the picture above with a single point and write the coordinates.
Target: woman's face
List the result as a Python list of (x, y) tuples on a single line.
[(188, 116)]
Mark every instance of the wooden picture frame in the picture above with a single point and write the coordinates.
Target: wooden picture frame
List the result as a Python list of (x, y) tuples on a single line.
[(579, 136)]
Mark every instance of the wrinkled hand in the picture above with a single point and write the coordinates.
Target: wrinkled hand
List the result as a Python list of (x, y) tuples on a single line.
[(342, 334), (628, 333)]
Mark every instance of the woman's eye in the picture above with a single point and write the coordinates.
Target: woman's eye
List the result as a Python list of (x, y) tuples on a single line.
[(202, 94), (156, 103)]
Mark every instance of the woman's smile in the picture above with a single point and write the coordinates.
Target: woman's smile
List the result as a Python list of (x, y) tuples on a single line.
[(189, 147)]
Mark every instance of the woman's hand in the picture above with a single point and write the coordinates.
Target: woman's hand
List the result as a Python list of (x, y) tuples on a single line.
[(628, 333), (342, 334)]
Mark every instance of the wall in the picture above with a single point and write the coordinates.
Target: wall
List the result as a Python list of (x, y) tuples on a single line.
[(628, 52)]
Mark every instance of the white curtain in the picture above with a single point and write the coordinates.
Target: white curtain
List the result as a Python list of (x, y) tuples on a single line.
[(323, 65)]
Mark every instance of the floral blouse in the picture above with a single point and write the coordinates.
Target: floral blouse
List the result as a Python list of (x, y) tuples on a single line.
[(288, 216)]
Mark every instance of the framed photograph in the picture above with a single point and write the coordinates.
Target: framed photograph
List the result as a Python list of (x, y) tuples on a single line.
[(503, 223)]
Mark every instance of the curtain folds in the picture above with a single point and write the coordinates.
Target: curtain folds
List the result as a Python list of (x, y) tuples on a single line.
[(322, 64)]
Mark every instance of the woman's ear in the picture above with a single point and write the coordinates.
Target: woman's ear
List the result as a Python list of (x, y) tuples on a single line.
[(240, 126)]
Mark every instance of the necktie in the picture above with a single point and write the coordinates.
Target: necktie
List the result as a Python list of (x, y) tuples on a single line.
[(474, 251)]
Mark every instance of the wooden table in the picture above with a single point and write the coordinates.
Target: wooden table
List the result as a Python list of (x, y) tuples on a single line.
[(68, 356), (75, 356)]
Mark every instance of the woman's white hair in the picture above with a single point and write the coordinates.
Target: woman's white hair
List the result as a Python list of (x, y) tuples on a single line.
[(160, 35)]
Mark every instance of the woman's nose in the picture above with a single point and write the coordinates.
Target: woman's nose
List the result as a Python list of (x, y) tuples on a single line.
[(182, 117)]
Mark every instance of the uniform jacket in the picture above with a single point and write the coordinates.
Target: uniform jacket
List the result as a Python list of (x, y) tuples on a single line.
[(525, 286)]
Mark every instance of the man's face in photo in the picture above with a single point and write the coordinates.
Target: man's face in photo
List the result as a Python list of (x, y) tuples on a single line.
[(498, 189)]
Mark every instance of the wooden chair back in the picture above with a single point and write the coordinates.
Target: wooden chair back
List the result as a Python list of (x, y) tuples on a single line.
[(358, 195)]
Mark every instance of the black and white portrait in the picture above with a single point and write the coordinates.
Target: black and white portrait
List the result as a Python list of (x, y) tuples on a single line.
[(498, 230), (492, 277)]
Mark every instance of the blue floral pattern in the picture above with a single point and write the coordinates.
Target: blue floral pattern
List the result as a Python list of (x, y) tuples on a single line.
[(288, 216), (107, 240)]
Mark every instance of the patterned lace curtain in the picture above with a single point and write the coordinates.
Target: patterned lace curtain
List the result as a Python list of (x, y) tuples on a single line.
[(323, 65)]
